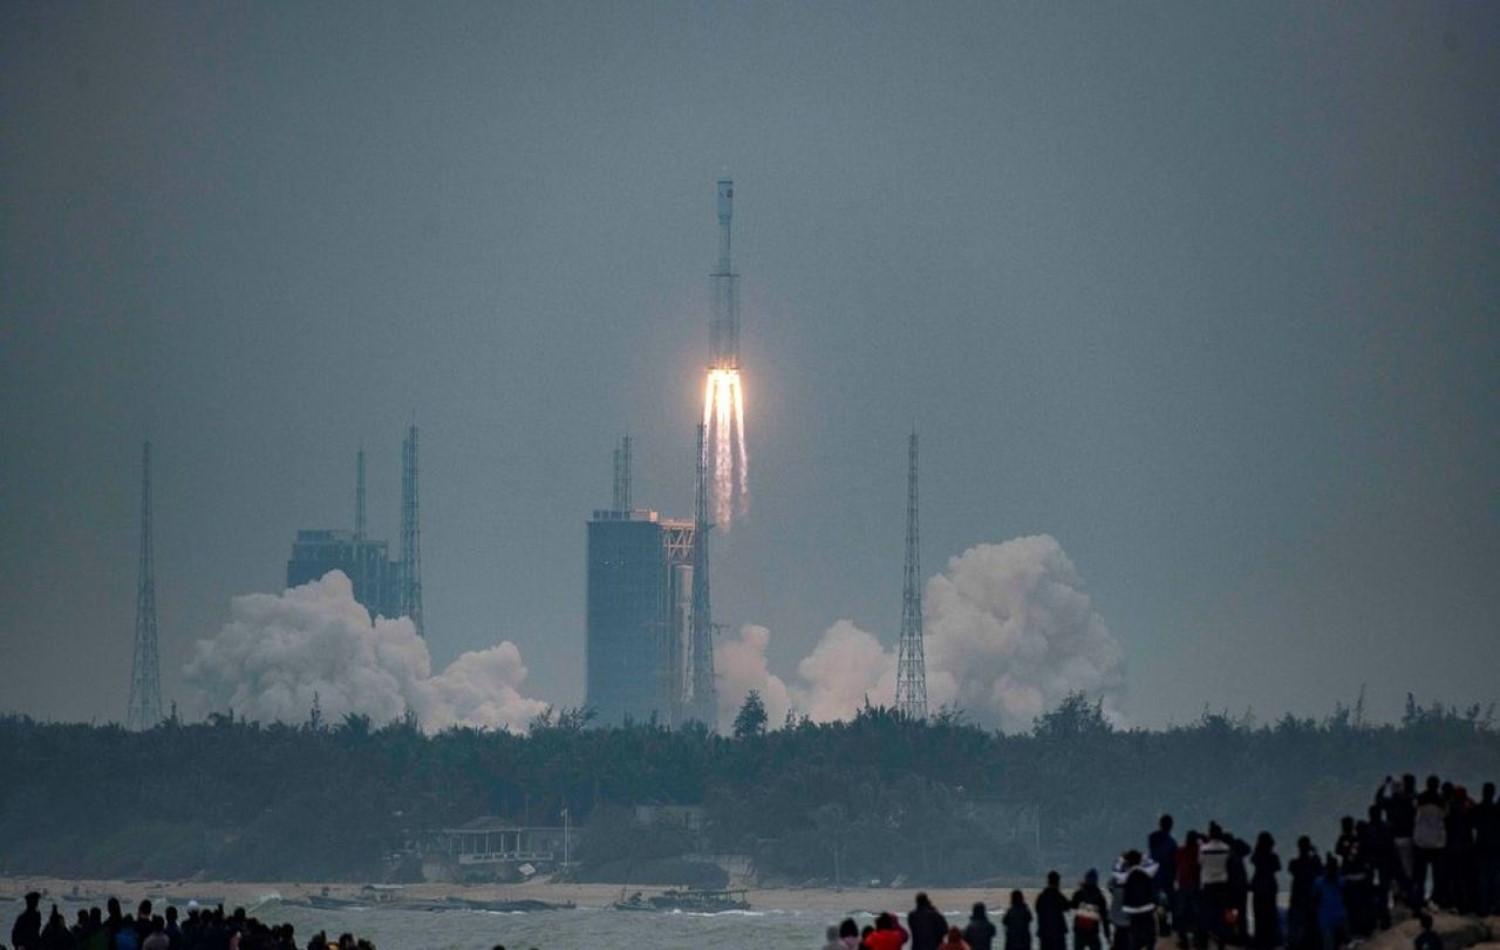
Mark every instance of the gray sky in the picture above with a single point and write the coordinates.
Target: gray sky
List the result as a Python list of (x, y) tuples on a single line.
[(1206, 291)]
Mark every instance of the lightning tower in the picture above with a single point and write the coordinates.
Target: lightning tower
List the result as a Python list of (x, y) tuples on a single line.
[(723, 395), (411, 540), (621, 496), (703, 697), (144, 711), (359, 495), (911, 665)]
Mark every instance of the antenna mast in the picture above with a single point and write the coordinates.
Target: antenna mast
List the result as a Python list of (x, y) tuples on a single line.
[(911, 665), (144, 711), (359, 495), (704, 700), (411, 540), (621, 496)]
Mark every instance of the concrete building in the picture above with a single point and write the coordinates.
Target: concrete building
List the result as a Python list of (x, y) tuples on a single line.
[(367, 563), (639, 615)]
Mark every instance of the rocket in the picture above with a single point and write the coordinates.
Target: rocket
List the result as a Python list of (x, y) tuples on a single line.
[(724, 327)]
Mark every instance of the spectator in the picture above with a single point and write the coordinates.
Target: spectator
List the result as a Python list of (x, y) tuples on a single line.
[(980, 932)]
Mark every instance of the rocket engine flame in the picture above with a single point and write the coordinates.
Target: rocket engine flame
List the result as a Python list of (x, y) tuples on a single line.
[(724, 422)]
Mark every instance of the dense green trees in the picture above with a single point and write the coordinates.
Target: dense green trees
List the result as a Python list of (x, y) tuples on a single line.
[(874, 798)]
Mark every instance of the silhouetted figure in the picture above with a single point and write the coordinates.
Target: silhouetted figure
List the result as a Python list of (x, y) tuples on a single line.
[(1090, 914), (1359, 891), (174, 931), (1429, 836), (1188, 909), (980, 930), (98, 934), (1302, 910), (1332, 917), (1138, 896), (1213, 861), (1239, 889), (1380, 853), (1017, 923), (1460, 871), (1487, 849), (1119, 920), (55, 935), (1263, 889), (1162, 848), (833, 941), (849, 933), (1052, 915), (1398, 803), (26, 932), (927, 926)]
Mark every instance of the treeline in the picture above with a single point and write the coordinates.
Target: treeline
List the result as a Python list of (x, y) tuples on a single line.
[(871, 799)]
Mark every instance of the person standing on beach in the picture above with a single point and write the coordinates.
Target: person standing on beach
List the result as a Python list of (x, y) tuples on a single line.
[(1138, 894), (1017, 923), (1333, 919), (1188, 911), (980, 932), (1398, 802), (927, 926), (1162, 848), (1052, 915), (26, 932), (1264, 887), (1487, 849), (1429, 837), (1302, 914), (1213, 861), (1090, 914)]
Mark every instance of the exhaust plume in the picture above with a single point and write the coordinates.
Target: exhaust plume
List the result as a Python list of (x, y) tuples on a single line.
[(279, 651), (1010, 632)]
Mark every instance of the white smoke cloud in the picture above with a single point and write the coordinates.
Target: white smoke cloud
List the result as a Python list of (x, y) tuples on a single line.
[(278, 651), (740, 666), (846, 667), (1009, 633), (1012, 626)]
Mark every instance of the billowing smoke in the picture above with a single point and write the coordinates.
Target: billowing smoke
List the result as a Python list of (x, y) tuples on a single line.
[(279, 651), (740, 666), (1009, 633), (1012, 627)]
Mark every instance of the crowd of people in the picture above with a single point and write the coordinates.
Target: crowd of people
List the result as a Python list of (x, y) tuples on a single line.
[(1421, 849), (201, 929)]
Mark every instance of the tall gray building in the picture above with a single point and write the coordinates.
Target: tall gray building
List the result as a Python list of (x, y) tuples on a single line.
[(640, 595), (639, 610), (367, 563), (385, 587)]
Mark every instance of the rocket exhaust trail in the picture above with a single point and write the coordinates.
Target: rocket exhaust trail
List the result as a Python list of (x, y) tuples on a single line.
[(723, 395)]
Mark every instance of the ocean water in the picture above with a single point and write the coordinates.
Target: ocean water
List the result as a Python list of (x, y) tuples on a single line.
[(580, 928)]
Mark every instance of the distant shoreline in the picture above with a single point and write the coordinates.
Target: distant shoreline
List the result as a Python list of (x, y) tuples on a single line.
[(828, 901)]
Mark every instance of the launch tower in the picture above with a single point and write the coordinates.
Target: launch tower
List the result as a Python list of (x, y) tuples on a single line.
[(144, 711), (911, 665)]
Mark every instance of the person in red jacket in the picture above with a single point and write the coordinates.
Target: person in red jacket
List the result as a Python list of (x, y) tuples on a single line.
[(888, 934)]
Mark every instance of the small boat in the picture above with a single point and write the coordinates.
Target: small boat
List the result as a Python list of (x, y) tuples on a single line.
[(688, 900)]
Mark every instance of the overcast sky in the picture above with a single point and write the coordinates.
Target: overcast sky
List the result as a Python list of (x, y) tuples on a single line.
[(1208, 292)]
